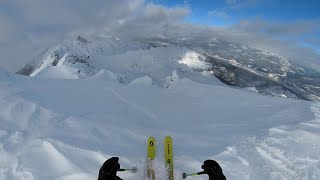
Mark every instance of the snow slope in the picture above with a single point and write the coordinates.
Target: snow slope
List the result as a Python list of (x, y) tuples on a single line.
[(65, 129)]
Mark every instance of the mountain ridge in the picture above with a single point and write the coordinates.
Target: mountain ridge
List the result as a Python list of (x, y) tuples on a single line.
[(232, 63)]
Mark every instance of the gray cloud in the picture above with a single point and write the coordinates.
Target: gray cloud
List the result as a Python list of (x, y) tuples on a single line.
[(298, 40), (280, 28), (29, 27), (72, 13), (286, 39), (39, 23), (158, 13), (291, 49), (7, 29)]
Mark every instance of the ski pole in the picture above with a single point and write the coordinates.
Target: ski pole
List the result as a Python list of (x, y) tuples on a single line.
[(185, 175), (133, 170)]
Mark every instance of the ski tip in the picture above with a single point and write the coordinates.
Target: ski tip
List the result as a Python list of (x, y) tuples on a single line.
[(168, 139)]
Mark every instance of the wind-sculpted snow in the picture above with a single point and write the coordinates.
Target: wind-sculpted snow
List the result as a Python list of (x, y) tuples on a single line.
[(65, 129), (287, 152)]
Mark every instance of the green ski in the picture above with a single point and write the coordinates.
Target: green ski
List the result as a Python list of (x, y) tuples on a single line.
[(168, 155), (151, 157)]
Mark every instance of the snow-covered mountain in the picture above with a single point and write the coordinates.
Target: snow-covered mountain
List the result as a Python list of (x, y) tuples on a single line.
[(99, 96), (234, 64)]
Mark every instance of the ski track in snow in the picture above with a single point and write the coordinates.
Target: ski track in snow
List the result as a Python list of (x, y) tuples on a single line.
[(135, 106), (43, 138)]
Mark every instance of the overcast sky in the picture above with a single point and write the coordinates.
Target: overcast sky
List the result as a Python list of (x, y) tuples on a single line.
[(291, 28)]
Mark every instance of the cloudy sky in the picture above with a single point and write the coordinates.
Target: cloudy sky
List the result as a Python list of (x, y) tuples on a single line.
[(289, 27)]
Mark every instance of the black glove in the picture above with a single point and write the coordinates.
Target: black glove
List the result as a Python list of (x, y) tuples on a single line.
[(109, 169), (213, 169)]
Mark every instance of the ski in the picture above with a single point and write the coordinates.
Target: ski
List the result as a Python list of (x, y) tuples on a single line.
[(168, 155), (151, 157)]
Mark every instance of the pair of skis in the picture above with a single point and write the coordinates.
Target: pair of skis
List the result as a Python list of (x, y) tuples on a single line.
[(168, 156)]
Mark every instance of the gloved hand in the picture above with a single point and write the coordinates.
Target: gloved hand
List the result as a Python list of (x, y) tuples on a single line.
[(213, 169), (109, 169)]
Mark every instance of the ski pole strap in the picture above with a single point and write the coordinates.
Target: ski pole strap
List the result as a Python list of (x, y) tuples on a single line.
[(185, 175)]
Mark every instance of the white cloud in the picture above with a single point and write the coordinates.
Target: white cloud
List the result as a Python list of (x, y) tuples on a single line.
[(219, 14), (244, 4)]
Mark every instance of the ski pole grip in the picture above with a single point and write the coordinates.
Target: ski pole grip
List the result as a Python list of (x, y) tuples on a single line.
[(184, 175)]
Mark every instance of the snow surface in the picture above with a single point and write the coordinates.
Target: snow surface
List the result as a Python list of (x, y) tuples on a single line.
[(65, 129), (66, 120)]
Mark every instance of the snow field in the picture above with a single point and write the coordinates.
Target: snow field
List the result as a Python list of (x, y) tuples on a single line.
[(66, 129)]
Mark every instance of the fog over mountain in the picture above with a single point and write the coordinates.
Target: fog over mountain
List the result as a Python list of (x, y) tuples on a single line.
[(31, 27)]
